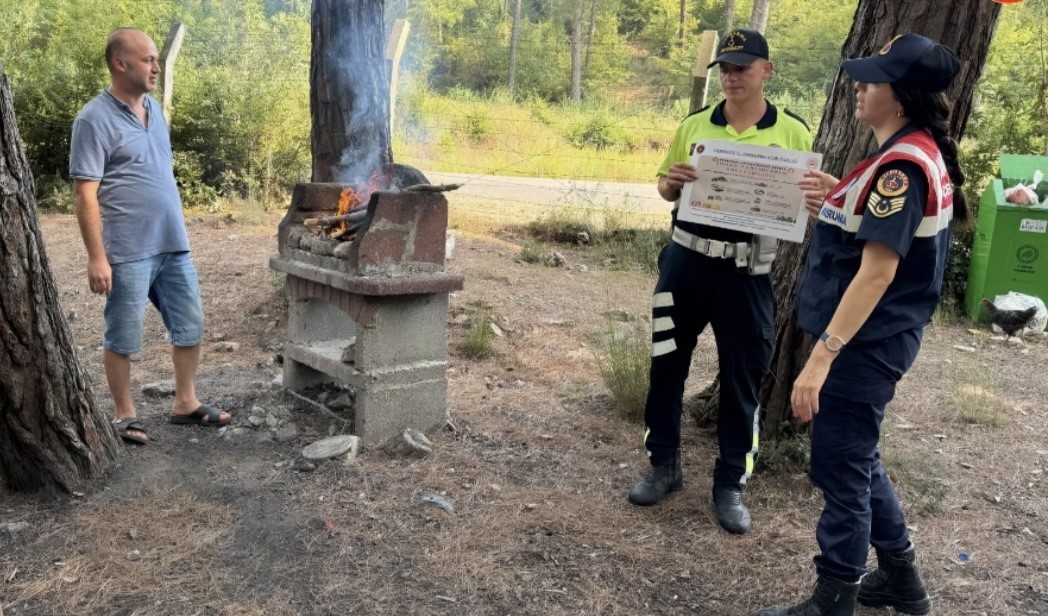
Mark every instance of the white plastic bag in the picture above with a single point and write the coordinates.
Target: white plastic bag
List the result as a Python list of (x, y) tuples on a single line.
[(1024, 194), (1021, 301)]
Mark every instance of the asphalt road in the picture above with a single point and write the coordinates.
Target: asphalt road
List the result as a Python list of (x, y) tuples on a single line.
[(642, 198)]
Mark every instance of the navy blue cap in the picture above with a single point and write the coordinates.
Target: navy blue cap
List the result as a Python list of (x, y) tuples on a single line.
[(909, 59), (741, 47)]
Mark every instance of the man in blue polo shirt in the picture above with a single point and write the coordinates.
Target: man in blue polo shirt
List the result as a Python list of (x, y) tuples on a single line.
[(701, 283), (131, 221)]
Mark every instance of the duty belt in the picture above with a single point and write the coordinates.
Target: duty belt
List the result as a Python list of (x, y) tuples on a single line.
[(740, 251)]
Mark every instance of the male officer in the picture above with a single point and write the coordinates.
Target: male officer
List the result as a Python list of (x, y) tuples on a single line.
[(701, 282)]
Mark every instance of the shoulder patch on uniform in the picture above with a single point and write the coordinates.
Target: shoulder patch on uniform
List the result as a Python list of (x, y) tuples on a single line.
[(892, 183), (695, 112), (796, 117), (883, 207)]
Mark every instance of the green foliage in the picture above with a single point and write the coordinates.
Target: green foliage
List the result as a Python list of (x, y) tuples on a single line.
[(602, 133), (189, 174), (623, 356), (1011, 116), (241, 107)]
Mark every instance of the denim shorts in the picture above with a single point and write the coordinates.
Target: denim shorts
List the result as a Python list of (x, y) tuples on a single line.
[(169, 281)]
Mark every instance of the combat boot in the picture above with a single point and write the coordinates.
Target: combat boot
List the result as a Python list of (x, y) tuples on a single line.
[(660, 481), (830, 598), (733, 516), (896, 583)]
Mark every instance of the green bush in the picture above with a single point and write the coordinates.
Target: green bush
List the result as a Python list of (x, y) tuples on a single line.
[(624, 356), (603, 133), (55, 193), (195, 191)]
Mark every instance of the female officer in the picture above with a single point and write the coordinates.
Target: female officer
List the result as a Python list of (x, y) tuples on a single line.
[(871, 283)]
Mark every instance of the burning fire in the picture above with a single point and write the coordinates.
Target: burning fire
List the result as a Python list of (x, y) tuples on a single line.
[(347, 201)]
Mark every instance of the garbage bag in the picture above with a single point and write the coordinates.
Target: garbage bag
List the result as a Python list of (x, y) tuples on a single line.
[(1020, 301)]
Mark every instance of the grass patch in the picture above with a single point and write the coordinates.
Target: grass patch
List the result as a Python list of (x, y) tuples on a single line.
[(479, 342), (623, 356), (608, 235), (921, 480), (978, 404), (790, 453)]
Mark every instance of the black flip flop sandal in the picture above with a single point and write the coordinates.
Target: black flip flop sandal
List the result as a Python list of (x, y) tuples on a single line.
[(207, 416), (131, 423)]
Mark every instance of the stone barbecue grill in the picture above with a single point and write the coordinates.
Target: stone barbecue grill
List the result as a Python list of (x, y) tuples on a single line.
[(370, 313)]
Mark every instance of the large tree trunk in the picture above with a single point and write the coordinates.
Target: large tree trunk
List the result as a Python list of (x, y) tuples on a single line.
[(576, 52), (759, 16), (349, 91), (729, 15), (52, 436), (514, 41), (967, 27), (683, 21)]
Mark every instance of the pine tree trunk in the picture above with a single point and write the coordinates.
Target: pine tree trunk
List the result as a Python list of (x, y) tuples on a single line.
[(514, 41), (52, 436), (967, 27), (576, 52), (759, 16), (349, 91), (729, 16)]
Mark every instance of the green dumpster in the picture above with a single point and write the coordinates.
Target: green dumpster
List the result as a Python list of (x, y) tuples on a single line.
[(1010, 246)]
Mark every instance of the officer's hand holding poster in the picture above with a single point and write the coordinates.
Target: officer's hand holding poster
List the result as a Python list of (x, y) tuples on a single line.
[(748, 188)]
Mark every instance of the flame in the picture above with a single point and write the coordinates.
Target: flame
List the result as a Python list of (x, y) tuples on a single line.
[(347, 201), (350, 199)]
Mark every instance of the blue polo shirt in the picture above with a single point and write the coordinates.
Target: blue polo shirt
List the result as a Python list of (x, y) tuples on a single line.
[(138, 198), (835, 255)]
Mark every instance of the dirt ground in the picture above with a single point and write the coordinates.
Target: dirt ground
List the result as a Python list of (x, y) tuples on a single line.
[(533, 459)]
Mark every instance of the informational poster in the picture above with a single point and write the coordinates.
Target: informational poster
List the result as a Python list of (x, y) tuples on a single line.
[(748, 188)]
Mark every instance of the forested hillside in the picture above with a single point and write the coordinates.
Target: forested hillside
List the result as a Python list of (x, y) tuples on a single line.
[(597, 85)]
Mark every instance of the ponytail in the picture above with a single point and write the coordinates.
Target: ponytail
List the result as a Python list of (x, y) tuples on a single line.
[(932, 112)]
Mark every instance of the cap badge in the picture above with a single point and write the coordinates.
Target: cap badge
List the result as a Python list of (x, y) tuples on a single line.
[(734, 41)]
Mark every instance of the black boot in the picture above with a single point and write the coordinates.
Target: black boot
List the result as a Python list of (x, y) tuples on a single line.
[(733, 516), (660, 481), (896, 583), (830, 598)]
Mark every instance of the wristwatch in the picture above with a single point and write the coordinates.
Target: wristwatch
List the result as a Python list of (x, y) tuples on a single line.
[(833, 343)]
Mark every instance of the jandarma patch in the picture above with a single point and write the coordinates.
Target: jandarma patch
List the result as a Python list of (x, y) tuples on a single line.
[(892, 183), (882, 207)]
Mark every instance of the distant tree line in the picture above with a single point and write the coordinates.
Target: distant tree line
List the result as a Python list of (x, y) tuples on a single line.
[(241, 118)]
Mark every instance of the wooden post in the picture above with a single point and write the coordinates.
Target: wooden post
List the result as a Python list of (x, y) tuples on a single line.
[(398, 37), (700, 75), (168, 54)]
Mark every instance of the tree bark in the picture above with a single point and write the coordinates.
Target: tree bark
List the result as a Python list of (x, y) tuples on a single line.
[(966, 27), (759, 16), (591, 33), (349, 91), (514, 41), (52, 435), (729, 15), (576, 52), (683, 19)]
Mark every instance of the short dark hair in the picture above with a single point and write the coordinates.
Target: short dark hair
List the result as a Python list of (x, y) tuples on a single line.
[(117, 44)]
